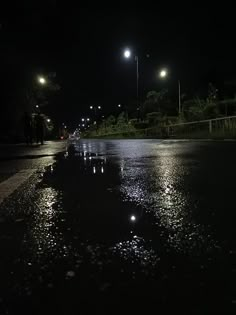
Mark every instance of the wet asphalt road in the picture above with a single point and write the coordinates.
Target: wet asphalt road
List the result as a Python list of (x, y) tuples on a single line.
[(118, 224)]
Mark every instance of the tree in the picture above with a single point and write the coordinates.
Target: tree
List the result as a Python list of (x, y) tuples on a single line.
[(154, 118), (194, 109), (110, 121), (212, 94), (121, 120), (154, 101)]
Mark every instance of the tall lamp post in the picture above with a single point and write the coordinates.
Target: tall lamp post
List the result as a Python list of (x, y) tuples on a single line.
[(41, 81), (163, 74), (96, 108), (127, 55)]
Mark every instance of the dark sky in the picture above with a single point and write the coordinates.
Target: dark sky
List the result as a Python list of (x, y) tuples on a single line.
[(84, 47)]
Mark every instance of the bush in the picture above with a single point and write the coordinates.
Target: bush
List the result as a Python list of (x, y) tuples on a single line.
[(154, 118)]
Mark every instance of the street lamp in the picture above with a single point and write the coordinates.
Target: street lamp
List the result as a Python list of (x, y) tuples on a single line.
[(119, 105), (82, 119), (88, 119), (42, 80), (95, 108), (127, 55), (48, 120), (163, 74)]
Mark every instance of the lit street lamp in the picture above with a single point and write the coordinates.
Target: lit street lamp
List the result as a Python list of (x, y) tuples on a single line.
[(127, 55), (163, 74), (42, 80), (48, 120), (95, 108)]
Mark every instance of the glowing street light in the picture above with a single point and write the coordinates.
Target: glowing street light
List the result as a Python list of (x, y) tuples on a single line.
[(99, 107), (42, 80), (37, 106), (127, 53), (88, 119), (48, 120), (133, 218), (82, 119), (163, 74), (91, 107), (119, 105)]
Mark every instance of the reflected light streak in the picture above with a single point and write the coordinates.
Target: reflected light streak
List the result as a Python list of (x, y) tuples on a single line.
[(45, 239)]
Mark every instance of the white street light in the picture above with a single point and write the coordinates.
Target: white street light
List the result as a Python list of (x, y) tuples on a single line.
[(82, 119), (48, 120), (119, 105), (37, 106), (127, 53), (42, 80), (99, 107), (133, 218), (163, 73), (88, 119), (91, 107)]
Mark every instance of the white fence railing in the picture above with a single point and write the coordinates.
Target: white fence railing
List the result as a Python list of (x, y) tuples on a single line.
[(220, 125)]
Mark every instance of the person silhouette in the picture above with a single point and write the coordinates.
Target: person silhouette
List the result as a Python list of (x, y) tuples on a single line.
[(39, 128)]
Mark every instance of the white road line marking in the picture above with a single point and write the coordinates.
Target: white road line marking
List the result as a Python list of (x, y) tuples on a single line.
[(11, 184)]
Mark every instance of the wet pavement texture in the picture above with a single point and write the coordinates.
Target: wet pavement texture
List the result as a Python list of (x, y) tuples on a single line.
[(14, 158), (123, 223)]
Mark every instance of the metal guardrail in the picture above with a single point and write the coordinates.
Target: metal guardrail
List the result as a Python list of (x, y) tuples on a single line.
[(220, 124)]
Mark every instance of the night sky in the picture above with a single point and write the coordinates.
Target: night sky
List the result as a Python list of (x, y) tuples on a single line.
[(84, 47)]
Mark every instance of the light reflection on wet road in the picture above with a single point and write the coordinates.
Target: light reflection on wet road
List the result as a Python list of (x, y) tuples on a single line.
[(130, 218)]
